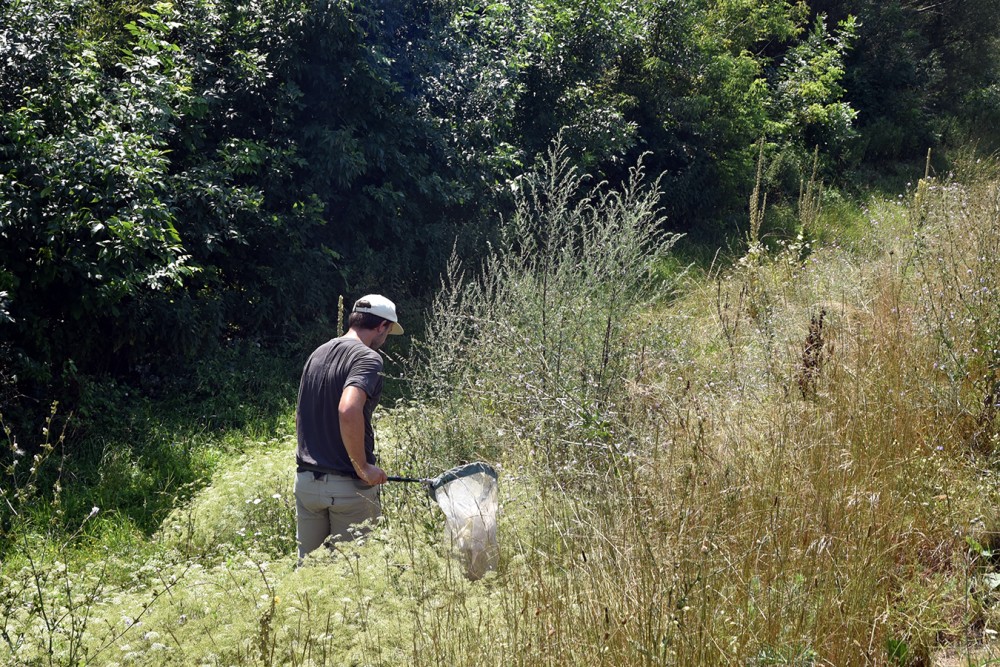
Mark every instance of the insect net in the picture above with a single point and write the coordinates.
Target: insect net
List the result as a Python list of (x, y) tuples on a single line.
[(468, 497)]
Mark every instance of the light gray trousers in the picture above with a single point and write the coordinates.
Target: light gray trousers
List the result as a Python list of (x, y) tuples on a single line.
[(329, 506)]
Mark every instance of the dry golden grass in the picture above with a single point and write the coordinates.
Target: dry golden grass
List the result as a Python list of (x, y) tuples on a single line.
[(751, 521)]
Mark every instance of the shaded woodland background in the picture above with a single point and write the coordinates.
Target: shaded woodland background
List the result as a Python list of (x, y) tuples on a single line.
[(182, 178)]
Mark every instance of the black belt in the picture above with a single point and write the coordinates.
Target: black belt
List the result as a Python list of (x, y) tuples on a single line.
[(319, 472)]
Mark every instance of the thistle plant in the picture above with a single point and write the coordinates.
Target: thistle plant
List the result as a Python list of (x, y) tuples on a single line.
[(957, 258)]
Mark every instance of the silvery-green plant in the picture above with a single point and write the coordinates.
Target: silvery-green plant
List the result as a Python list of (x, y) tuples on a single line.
[(539, 339)]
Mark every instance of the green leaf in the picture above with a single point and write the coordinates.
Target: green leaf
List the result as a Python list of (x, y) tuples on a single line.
[(977, 548), (897, 650)]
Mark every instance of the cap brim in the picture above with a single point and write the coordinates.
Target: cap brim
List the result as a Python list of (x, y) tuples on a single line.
[(396, 330)]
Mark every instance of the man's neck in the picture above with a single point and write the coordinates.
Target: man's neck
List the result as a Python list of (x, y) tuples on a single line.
[(364, 336)]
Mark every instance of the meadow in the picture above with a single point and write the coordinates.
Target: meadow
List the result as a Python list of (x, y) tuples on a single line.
[(785, 457)]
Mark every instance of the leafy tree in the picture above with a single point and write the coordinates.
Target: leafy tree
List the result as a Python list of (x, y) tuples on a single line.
[(713, 78), (229, 174), (85, 221)]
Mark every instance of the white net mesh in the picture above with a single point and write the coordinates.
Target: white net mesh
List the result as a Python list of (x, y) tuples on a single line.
[(470, 505)]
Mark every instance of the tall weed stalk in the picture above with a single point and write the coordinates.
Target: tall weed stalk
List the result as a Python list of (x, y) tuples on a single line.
[(50, 599), (539, 341)]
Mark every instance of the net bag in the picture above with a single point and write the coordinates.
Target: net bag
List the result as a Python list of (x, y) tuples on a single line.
[(468, 497)]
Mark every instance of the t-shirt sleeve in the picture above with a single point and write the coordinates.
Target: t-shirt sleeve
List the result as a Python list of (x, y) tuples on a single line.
[(366, 374)]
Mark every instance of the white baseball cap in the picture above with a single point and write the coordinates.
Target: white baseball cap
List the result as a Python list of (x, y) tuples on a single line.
[(376, 304)]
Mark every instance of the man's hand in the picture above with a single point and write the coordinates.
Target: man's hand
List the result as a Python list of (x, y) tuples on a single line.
[(371, 475)]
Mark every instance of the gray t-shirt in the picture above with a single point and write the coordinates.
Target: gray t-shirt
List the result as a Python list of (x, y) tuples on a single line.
[(338, 363)]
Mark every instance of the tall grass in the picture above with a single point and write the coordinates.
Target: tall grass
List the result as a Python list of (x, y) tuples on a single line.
[(791, 461), (773, 468)]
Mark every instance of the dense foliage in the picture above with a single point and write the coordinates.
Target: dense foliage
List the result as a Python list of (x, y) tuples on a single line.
[(179, 175)]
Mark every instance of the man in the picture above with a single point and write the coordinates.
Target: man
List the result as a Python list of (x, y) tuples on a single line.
[(337, 478)]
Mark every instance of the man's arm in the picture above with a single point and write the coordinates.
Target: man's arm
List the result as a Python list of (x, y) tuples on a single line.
[(352, 432)]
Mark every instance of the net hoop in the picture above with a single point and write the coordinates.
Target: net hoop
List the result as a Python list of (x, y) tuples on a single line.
[(459, 472)]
